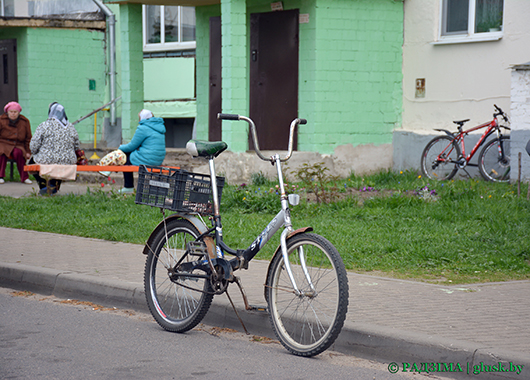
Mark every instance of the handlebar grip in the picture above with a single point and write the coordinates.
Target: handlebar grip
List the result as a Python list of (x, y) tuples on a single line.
[(227, 116), (303, 121)]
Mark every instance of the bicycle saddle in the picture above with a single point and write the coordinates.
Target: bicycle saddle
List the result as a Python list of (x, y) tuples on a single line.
[(201, 148), (461, 122)]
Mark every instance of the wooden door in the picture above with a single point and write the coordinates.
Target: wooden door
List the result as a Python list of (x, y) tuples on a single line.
[(8, 71), (214, 125), (273, 77)]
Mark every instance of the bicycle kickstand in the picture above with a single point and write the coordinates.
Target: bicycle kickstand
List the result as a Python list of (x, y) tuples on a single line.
[(248, 307), (237, 314), (468, 175), (245, 300)]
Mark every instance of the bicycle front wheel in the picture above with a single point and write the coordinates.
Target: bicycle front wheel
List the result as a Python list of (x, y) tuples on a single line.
[(178, 303), (494, 160), (309, 322), (438, 160)]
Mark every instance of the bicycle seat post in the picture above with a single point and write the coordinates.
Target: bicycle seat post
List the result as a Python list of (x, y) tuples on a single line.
[(215, 193)]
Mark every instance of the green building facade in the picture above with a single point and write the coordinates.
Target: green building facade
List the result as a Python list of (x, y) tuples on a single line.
[(350, 73), (66, 65)]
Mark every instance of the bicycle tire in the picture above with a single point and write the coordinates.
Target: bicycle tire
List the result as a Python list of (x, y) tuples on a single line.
[(308, 324), (173, 304), (434, 168), (494, 164)]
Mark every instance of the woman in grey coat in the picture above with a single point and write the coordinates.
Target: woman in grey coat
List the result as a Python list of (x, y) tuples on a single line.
[(54, 142)]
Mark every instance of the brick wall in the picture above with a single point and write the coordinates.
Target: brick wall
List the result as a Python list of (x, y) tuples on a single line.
[(349, 70), (56, 65), (520, 121), (357, 78), (131, 76), (202, 15)]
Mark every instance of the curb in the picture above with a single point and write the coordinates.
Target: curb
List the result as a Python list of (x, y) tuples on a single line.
[(362, 340)]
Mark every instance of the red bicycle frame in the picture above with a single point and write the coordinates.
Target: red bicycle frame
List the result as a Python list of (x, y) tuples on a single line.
[(461, 134)]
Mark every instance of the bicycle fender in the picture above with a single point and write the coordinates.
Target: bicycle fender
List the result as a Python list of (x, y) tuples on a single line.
[(450, 134), (279, 251), (197, 223)]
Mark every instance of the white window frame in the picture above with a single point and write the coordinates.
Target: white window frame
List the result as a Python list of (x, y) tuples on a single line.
[(470, 35), (163, 46)]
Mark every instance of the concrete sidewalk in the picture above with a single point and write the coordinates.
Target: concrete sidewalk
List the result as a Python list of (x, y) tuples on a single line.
[(390, 320), (17, 189)]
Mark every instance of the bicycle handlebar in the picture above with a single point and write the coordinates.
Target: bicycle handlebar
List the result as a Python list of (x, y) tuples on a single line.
[(294, 123), (500, 112), (227, 116)]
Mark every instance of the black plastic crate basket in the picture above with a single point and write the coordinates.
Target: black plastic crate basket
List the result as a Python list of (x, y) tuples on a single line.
[(176, 189)]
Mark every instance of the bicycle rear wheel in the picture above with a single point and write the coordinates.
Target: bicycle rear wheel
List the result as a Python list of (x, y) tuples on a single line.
[(177, 304), (439, 157), (308, 323), (494, 160)]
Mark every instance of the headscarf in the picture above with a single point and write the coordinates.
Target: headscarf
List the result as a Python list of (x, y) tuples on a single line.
[(145, 114), (12, 106), (57, 112)]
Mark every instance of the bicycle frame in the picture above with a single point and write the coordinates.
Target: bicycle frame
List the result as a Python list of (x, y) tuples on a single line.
[(492, 125), (458, 138), (282, 219)]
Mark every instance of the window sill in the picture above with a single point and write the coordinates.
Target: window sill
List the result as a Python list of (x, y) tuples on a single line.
[(169, 46), (170, 54), (463, 39)]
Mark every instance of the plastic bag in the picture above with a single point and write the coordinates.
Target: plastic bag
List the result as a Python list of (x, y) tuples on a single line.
[(116, 157), (81, 158)]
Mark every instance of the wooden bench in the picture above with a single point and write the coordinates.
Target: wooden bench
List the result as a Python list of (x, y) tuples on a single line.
[(97, 168), (35, 168), (91, 168)]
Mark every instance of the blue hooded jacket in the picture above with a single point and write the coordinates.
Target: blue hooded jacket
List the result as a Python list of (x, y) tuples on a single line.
[(148, 145)]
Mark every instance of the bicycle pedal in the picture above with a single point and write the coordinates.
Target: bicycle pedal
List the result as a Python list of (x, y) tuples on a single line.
[(260, 309), (197, 248)]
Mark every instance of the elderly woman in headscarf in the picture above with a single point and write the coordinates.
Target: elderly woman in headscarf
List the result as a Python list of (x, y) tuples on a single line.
[(15, 135), (147, 147), (54, 143)]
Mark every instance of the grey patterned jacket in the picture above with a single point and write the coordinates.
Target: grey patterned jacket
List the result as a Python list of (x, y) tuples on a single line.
[(53, 143)]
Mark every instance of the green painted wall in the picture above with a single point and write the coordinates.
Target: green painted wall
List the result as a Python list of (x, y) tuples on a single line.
[(169, 78), (202, 20), (349, 71), (234, 70), (357, 78), (131, 76), (56, 65), (169, 87)]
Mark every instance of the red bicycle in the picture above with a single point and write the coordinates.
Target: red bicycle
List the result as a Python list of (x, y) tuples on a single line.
[(445, 155)]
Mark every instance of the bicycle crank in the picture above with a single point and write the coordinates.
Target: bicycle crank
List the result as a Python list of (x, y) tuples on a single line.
[(218, 281)]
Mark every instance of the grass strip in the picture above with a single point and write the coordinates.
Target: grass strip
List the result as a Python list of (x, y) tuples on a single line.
[(394, 224)]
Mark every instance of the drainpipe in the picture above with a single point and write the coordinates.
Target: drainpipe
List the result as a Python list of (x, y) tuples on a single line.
[(111, 18)]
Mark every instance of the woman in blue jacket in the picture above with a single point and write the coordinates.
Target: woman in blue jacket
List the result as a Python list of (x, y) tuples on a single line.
[(147, 147)]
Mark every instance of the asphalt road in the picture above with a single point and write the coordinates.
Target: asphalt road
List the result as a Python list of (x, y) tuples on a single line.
[(49, 338)]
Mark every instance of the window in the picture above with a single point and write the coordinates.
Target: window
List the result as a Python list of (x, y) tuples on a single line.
[(473, 19), (168, 27), (8, 8), (57, 9)]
